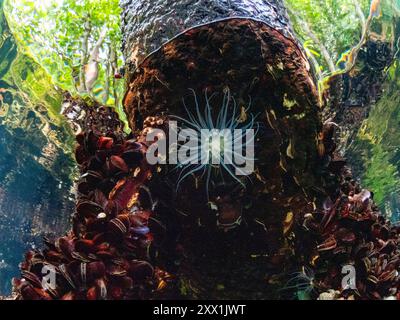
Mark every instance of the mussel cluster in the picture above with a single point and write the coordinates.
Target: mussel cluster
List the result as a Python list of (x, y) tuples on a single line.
[(105, 256), (88, 114), (107, 253), (353, 232), (349, 230)]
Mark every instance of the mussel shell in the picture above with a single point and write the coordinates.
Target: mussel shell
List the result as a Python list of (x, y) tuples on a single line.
[(116, 270), (372, 280), (32, 278), (80, 256), (105, 142), (90, 142), (116, 293), (29, 292), (92, 294), (132, 158), (94, 164), (65, 246), (124, 282), (98, 238), (119, 226), (83, 187), (375, 295), (54, 257), (80, 155), (104, 255), (100, 198), (92, 177), (86, 246), (328, 244), (53, 293), (88, 209), (345, 235), (119, 163), (388, 276), (139, 270), (95, 270), (65, 272)]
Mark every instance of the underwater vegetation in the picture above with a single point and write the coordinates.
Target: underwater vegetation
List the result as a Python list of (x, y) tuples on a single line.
[(284, 232)]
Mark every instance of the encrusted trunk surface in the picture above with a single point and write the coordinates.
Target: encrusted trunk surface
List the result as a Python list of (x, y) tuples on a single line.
[(251, 54)]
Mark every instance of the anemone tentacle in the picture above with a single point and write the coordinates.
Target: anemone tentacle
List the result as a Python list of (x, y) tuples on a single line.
[(227, 118)]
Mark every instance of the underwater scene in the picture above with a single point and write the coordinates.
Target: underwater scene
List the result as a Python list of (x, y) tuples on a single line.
[(199, 150)]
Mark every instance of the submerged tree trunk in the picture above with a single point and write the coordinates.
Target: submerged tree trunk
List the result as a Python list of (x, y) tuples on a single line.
[(251, 53)]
